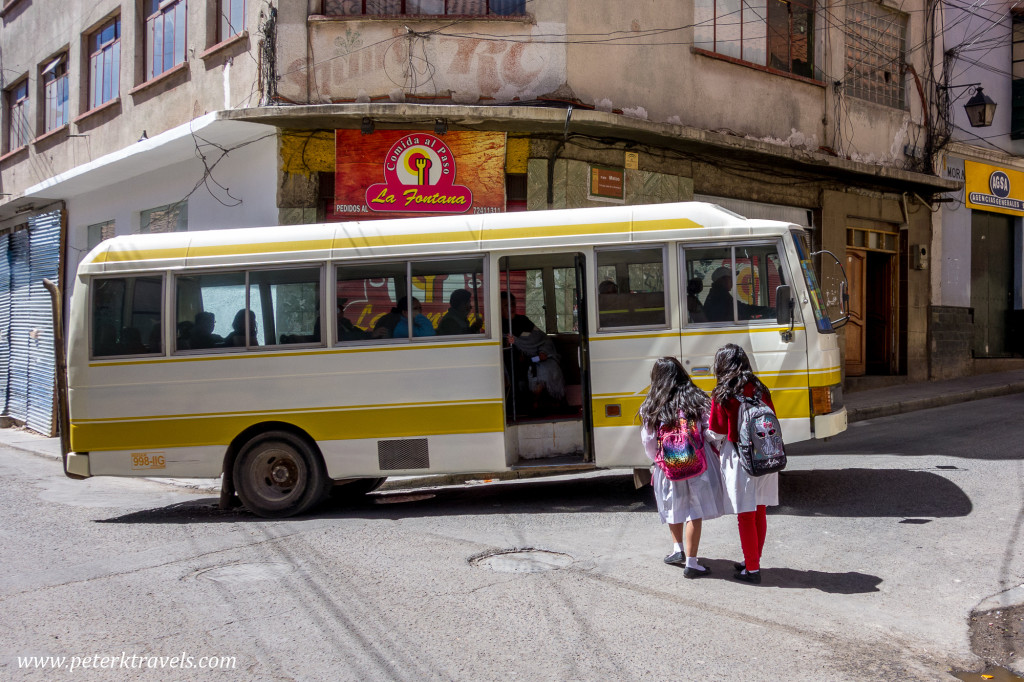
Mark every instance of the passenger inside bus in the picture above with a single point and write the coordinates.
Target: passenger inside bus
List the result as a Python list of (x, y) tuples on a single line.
[(421, 325), (693, 304), (347, 331), (456, 320), (532, 366), (202, 335), (131, 342), (237, 335), (718, 304)]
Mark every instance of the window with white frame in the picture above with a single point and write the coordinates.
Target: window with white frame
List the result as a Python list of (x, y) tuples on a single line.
[(99, 232), (105, 63), (165, 35), (232, 18), (169, 218), (425, 7), (55, 92), (876, 40), (778, 34), (17, 115)]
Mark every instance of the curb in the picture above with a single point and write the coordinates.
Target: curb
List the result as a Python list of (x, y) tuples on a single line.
[(915, 404)]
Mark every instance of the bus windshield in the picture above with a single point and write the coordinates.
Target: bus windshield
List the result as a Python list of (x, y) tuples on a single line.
[(817, 300)]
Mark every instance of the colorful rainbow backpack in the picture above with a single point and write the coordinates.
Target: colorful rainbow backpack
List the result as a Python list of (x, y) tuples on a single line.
[(681, 451)]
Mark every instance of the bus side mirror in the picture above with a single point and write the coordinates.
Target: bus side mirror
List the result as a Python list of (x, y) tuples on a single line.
[(784, 310), (783, 304)]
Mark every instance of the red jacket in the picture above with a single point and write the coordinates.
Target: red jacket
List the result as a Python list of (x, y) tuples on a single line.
[(725, 417)]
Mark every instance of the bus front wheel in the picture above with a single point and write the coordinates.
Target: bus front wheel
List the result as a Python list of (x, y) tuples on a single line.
[(278, 475)]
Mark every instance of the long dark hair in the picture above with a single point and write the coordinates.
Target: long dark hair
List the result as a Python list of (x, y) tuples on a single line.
[(732, 369), (672, 391)]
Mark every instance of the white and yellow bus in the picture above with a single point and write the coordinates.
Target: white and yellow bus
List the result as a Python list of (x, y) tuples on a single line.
[(283, 358)]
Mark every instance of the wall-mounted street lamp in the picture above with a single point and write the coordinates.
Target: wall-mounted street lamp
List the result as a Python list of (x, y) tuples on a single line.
[(980, 108), (366, 127)]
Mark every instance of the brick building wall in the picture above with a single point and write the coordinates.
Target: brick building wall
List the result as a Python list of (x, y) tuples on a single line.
[(951, 333)]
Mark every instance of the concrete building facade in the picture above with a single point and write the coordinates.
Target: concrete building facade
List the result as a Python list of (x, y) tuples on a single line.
[(286, 113), (977, 316)]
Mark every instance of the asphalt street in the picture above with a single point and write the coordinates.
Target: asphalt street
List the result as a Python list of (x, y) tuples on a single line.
[(889, 538)]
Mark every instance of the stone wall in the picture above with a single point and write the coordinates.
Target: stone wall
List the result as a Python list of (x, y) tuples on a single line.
[(950, 336)]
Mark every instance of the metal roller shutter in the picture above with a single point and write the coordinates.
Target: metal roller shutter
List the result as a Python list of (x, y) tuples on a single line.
[(21, 280), (44, 260), (5, 322)]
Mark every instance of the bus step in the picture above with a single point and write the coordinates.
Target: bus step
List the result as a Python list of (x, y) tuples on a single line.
[(568, 463)]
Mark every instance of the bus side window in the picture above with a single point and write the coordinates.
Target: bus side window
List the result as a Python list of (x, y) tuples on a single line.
[(631, 287), (451, 295), (732, 283), (127, 315), (366, 297), (206, 305), (284, 307)]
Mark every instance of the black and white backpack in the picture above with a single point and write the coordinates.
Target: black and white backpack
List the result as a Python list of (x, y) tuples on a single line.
[(760, 447)]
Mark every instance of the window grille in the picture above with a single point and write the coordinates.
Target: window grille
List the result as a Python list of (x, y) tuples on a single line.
[(875, 48)]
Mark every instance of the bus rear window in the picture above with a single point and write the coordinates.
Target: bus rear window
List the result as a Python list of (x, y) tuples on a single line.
[(126, 316)]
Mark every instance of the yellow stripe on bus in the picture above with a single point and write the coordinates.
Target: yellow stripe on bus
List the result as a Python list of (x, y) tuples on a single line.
[(789, 404), (414, 239), (323, 425)]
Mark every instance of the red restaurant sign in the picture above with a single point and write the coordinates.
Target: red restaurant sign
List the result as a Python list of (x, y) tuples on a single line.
[(415, 173)]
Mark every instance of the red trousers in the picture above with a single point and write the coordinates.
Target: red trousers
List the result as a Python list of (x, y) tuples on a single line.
[(753, 529)]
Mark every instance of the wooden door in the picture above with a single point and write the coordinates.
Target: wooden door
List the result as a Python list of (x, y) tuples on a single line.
[(856, 263)]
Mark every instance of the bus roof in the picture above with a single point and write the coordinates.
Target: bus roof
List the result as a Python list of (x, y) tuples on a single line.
[(453, 234)]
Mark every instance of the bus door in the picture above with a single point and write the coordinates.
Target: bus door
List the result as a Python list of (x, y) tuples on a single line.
[(633, 327), (730, 294), (544, 359)]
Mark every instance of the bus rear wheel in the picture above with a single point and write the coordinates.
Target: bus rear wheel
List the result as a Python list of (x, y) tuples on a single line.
[(277, 475)]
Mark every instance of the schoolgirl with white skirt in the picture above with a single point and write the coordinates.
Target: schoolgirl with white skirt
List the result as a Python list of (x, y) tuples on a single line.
[(683, 505), (746, 496)]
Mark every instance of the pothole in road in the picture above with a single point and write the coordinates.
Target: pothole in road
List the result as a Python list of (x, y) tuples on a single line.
[(525, 560), (246, 573), (997, 637)]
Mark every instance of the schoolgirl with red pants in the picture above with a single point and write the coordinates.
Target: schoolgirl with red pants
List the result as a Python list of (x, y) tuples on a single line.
[(746, 496)]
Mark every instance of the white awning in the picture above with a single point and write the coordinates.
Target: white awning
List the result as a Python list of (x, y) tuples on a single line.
[(166, 149)]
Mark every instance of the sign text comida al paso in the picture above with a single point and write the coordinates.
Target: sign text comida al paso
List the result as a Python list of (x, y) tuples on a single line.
[(992, 188), (419, 177), (406, 173)]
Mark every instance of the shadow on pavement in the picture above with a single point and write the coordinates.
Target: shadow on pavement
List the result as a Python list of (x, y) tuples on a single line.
[(850, 582), (847, 583), (599, 494), (838, 493), (869, 493)]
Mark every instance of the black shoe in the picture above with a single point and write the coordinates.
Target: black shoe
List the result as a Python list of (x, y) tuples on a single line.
[(740, 566), (752, 578), (694, 573), (677, 559)]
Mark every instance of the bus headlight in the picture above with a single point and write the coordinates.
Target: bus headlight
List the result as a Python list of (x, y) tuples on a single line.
[(825, 399)]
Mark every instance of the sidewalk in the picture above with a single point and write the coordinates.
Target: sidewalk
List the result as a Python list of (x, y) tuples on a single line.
[(860, 405)]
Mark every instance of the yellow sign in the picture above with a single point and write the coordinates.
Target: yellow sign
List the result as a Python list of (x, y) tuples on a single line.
[(995, 189), (632, 161)]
